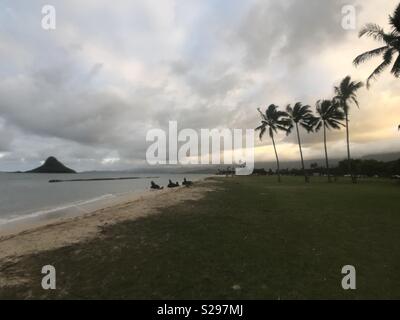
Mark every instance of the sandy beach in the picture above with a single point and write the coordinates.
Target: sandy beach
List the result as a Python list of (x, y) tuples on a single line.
[(68, 231)]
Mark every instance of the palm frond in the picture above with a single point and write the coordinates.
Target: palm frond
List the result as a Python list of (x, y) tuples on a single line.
[(372, 30), (289, 129), (369, 55), (346, 92), (308, 126), (261, 113), (329, 115), (387, 59), (318, 126), (259, 127), (354, 99), (396, 67), (394, 19), (262, 132), (273, 119)]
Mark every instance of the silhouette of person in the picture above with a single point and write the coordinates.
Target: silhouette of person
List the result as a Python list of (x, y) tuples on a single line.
[(186, 183), (172, 185), (155, 186)]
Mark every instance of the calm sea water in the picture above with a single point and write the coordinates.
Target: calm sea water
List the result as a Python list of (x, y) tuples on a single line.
[(24, 196)]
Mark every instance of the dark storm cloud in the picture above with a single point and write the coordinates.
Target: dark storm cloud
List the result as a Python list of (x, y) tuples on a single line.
[(294, 29), (6, 137)]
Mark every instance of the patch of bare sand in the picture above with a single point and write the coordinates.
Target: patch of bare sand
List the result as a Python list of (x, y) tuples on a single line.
[(88, 226)]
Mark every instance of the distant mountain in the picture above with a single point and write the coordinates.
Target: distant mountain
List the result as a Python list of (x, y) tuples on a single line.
[(52, 165), (385, 157)]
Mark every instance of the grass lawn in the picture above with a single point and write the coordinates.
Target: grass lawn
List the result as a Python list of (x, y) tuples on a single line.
[(251, 239)]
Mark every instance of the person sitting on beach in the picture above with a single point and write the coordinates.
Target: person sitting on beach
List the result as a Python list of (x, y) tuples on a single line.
[(155, 186), (187, 183), (172, 185)]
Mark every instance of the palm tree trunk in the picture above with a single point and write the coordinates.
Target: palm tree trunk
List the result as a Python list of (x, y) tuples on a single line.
[(301, 154), (326, 155), (350, 171), (277, 160)]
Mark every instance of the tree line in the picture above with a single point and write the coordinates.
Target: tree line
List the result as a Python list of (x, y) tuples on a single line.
[(361, 168)]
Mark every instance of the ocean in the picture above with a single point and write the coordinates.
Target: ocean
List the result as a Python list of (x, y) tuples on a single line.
[(25, 197)]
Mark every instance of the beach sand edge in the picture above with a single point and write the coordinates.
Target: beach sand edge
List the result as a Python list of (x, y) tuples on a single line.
[(88, 226)]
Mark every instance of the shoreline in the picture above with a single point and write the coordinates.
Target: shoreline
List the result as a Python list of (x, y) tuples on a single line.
[(37, 215), (63, 212), (65, 231)]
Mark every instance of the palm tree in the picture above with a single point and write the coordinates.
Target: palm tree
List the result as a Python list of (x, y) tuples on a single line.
[(329, 117), (346, 93), (390, 48), (273, 120), (300, 115)]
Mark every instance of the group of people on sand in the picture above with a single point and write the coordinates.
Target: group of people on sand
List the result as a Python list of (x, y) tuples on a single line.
[(171, 184)]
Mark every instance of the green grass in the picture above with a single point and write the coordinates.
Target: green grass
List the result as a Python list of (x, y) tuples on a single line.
[(275, 241)]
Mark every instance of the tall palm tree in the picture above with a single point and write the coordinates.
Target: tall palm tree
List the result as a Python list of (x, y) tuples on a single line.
[(346, 93), (329, 116), (273, 120), (390, 48), (302, 116)]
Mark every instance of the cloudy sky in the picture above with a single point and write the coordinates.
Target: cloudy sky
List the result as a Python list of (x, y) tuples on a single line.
[(89, 91)]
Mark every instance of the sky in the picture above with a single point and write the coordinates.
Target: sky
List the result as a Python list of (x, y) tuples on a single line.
[(90, 90)]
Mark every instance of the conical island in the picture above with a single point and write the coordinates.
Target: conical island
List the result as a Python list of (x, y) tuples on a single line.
[(52, 165)]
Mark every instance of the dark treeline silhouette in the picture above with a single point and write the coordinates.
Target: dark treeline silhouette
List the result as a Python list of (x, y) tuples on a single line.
[(229, 171), (370, 168), (361, 168)]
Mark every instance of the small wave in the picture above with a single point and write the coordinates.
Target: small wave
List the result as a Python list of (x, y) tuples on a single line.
[(37, 214)]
